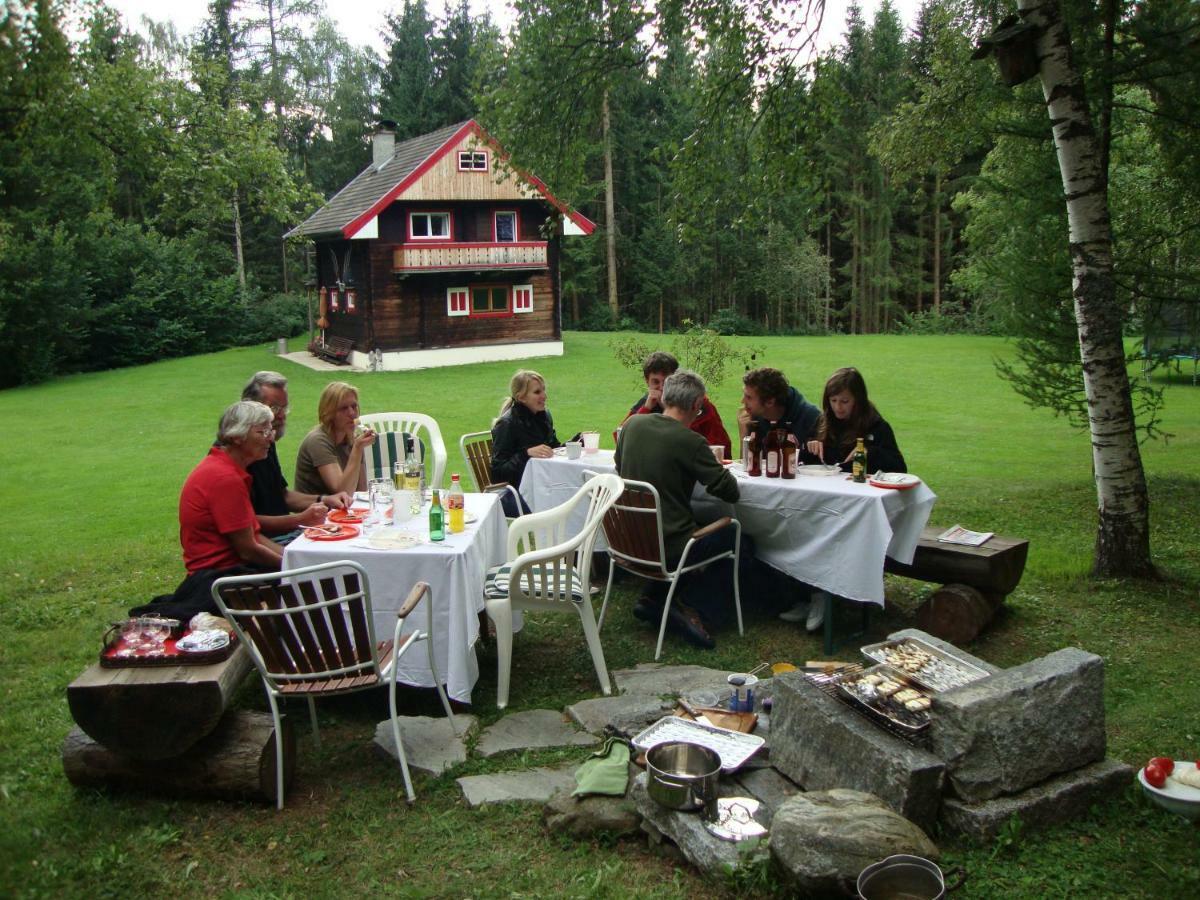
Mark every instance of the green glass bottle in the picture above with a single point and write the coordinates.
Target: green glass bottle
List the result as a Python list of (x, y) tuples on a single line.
[(858, 463), (437, 519)]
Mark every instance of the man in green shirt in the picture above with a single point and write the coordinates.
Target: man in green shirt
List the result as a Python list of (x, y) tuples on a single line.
[(660, 448)]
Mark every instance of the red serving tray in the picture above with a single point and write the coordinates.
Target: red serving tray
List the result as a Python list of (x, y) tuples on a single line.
[(171, 656)]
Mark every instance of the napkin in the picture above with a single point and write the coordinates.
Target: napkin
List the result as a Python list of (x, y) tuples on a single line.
[(605, 772)]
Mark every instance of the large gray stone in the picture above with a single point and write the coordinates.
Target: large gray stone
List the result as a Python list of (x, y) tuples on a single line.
[(820, 743), (1023, 725), (1061, 799), (526, 786), (660, 680), (820, 841), (531, 729), (686, 830), (585, 816), (430, 744), (627, 713), (944, 646)]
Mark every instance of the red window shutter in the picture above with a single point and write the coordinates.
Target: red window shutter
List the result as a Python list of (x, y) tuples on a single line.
[(522, 298)]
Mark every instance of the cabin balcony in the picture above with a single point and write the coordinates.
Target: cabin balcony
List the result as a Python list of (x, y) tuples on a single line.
[(455, 257)]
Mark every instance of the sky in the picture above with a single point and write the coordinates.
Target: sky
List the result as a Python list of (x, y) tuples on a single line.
[(360, 20)]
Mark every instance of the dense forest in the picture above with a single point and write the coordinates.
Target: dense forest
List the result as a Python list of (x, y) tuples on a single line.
[(741, 179)]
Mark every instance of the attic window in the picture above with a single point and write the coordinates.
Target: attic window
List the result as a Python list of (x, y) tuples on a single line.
[(472, 161)]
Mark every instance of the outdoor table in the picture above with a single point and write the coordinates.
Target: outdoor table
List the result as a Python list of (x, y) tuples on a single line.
[(825, 531), (455, 569)]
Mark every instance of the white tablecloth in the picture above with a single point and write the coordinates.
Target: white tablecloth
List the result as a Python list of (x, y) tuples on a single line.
[(455, 569), (828, 532)]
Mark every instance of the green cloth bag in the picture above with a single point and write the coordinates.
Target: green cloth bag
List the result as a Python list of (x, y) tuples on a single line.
[(605, 772)]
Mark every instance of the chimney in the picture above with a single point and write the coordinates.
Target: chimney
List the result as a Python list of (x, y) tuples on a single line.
[(383, 143)]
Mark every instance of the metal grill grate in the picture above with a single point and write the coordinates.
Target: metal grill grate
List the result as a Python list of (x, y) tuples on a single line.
[(826, 684)]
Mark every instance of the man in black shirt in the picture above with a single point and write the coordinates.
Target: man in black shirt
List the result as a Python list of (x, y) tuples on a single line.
[(282, 511)]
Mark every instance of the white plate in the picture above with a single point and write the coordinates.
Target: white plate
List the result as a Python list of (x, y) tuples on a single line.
[(819, 471), (399, 540), (1176, 797), (897, 480)]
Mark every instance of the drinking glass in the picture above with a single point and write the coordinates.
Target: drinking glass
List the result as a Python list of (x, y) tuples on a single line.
[(379, 495), (591, 441)]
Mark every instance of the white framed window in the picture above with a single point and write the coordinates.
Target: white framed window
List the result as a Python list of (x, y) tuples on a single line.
[(472, 161), (505, 227), (458, 301), (429, 226), (522, 298)]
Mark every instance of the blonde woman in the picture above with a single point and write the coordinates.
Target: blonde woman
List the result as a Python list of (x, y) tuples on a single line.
[(524, 429), (330, 457)]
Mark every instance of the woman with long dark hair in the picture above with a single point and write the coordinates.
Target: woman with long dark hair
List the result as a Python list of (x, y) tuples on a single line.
[(848, 414)]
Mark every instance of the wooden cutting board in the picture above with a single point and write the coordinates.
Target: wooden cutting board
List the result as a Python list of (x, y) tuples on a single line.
[(724, 718)]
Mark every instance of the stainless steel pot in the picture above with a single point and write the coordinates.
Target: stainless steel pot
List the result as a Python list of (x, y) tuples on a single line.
[(904, 877), (681, 775)]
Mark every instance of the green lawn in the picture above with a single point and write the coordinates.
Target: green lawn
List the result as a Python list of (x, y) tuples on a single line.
[(92, 469)]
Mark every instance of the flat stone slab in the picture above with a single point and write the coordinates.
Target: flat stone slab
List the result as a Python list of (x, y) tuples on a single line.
[(527, 786), (430, 744), (768, 787), (821, 744), (1003, 734), (1058, 800), (627, 713), (659, 680), (944, 646), (686, 830), (531, 729)]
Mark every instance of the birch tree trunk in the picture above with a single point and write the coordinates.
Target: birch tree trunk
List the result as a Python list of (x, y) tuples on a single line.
[(610, 211), (238, 253), (1123, 534)]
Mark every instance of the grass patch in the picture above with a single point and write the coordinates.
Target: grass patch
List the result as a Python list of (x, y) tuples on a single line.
[(93, 466)]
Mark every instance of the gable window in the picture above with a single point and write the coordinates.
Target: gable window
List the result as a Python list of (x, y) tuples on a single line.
[(472, 161), (506, 227), (429, 226), (489, 299), (456, 301), (522, 298)]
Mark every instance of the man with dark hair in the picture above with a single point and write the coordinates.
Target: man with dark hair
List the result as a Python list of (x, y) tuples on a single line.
[(767, 397), (656, 369), (281, 511), (662, 449)]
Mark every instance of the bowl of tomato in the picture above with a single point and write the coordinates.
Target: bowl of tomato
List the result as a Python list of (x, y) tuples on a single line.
[(1164, 781)]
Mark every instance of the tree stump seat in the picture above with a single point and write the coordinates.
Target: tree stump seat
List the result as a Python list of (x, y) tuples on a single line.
[(975, 581)]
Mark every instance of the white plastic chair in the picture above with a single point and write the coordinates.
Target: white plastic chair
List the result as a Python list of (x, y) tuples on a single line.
[(634, 531), (310, 633), (389, 447), (549, 570)]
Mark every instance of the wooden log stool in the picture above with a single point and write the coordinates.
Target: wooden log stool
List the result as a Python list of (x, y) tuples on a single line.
[(165, 728), (975, 581)]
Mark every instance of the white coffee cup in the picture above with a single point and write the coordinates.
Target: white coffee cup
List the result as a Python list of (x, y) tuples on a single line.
[(574, 449), (591, 441), (402, 506)]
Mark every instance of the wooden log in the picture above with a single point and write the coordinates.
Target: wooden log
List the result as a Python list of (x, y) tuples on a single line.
[(155, 712), (236, 761), (957, 612), (995, 567)]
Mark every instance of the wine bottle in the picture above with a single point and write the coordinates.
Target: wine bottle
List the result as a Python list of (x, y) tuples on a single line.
[(858, 463), (773, 452), (412, 468), (456, 505), (437, 519)]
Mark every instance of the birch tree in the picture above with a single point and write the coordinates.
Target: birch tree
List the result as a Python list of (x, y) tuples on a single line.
[(1123, 533)]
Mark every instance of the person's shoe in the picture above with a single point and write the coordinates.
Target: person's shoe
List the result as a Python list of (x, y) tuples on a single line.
[(816, 612), (645, 610), (797, 613), (687, 622)]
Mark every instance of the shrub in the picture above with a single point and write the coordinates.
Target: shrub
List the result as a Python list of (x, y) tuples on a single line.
[(730, 321)]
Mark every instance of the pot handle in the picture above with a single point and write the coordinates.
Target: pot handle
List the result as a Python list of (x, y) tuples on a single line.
[(954, 879)]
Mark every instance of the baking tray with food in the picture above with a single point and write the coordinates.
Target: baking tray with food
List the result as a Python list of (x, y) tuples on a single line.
[(887, 692), (925, 664)]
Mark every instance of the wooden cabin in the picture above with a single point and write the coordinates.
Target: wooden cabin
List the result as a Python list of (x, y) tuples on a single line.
[(438, 254)]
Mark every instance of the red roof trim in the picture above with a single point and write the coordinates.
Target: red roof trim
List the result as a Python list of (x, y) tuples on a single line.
[(586, 225)]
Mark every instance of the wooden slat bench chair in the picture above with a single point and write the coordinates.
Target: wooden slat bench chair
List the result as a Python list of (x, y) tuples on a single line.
[(336, 350), (975, 581)]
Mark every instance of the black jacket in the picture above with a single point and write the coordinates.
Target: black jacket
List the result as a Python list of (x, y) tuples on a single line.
[(799, 417), (883, 454), (515, 432)]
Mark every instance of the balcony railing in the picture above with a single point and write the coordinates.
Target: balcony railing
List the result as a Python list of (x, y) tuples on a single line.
[(469, 257)]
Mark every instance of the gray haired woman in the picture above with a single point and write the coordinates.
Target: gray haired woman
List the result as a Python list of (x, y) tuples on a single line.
[(217, 525)]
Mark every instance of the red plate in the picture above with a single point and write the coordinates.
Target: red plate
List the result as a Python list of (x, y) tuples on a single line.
[(347, 516), (344, 532), (727, 462), (896, 481)]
